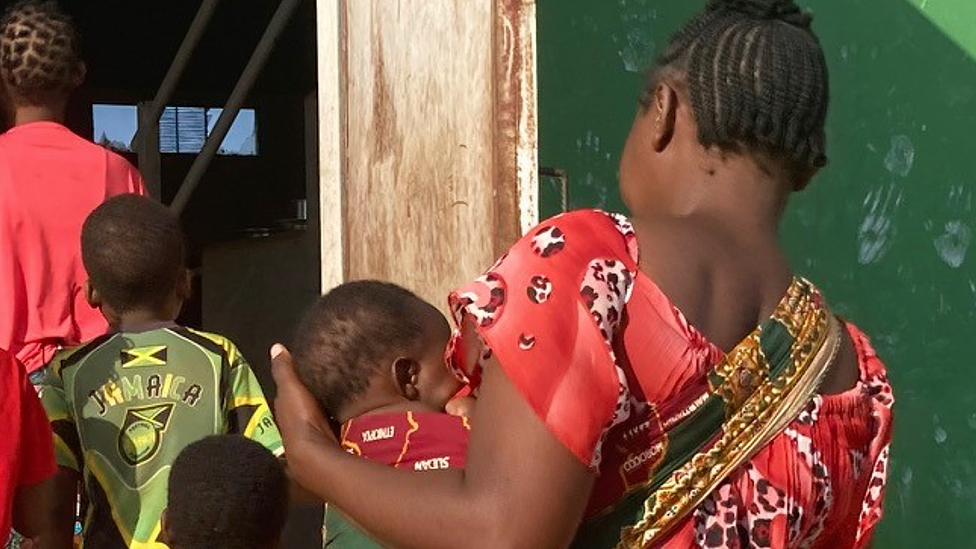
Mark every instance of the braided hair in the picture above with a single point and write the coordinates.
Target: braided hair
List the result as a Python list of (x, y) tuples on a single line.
[(756, 78), (39, 51)]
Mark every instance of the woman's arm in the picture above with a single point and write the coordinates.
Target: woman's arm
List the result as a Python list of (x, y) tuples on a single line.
[(521, 487)]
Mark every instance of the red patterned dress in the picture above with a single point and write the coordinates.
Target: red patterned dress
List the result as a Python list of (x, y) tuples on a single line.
[(611, 366)]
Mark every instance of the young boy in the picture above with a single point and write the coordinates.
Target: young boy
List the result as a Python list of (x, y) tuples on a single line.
[(124, 405), (373, 354), (225, 492)]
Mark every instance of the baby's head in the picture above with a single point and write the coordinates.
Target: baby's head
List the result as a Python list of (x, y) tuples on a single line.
[(225, 492), (369, 344)]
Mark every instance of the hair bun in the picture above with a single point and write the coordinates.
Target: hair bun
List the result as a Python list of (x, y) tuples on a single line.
[(770, 10)]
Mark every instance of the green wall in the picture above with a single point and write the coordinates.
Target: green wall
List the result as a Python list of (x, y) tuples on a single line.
[(885, 230)]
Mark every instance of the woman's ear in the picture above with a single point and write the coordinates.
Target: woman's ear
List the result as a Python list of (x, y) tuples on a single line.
[(663, 111), (406, 375)]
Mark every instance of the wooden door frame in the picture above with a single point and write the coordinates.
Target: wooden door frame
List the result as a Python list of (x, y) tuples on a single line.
[(515, 162)]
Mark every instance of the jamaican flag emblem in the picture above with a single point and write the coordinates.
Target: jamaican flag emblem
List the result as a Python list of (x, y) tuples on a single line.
[(142, 432), (142, 357)]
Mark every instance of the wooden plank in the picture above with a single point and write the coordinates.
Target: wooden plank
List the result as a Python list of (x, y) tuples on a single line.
[(516, 130), (431, 119), (421, 206), (331, 142)]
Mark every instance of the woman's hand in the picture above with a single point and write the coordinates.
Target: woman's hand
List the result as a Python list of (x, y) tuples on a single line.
[(305, 431)]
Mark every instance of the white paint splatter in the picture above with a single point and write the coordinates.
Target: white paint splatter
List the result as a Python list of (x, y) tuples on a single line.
[(940, 434), (954, 243), (877, 230), (637, 51), (591, 153), (906, 476), (901, 156)]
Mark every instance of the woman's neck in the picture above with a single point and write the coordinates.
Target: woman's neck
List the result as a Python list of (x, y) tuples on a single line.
[(741, 198)]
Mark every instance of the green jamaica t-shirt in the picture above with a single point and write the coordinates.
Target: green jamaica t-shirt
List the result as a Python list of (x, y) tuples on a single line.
[(122, 408)]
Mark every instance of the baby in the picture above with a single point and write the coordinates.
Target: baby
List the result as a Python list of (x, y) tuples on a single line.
[(373, 355)]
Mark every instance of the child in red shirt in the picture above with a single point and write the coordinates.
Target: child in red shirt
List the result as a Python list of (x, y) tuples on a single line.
[(50, 180), (373, 355)]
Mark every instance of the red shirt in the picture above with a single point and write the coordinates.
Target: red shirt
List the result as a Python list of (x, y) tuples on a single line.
[(26, 447), (50, 180), (421, 441)]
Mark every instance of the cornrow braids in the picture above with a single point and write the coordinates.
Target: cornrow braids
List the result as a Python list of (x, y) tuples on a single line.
[(756, 79), (39, 51)]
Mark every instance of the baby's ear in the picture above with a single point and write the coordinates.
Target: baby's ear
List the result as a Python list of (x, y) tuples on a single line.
[(406, 373)]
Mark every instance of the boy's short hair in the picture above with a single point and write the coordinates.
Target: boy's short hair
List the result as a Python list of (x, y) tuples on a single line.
[(40, 51), (226, 492), (133, 250), (350, 333)]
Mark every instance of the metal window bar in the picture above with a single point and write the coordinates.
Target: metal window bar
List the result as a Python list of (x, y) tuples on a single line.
[(177, 67), (234, 103)]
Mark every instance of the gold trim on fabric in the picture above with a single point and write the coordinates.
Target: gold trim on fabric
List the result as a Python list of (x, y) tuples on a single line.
[(759, 417), (742, 373)]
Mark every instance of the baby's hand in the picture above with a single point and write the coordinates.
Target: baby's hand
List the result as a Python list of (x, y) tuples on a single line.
[(462, 406)]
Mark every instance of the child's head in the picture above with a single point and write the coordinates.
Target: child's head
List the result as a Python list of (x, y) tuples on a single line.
[(132, 248), (40, 57), (368, 344), (225, 492)]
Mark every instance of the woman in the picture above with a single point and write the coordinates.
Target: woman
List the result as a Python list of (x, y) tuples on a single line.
[(663, 381)]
